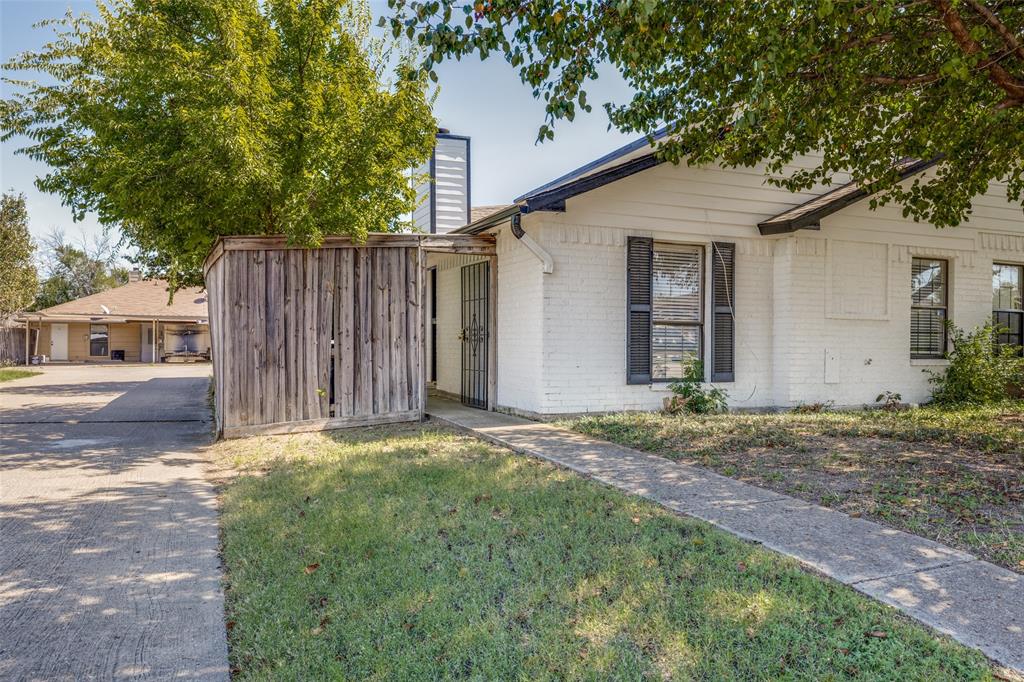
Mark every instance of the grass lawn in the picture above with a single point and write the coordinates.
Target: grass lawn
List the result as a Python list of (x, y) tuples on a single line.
[(9, 374), (415, 553), (956, 476)]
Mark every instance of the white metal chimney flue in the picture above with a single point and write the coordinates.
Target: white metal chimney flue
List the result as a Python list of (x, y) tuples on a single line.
[(443, 198)]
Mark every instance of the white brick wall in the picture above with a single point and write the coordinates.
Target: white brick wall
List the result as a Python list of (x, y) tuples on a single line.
[(809, 326), (585, 322), (520, 343)]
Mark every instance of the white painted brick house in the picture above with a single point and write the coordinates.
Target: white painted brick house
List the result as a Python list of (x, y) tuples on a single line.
[(787, 298)]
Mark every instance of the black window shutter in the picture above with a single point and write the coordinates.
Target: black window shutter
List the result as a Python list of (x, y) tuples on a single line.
[(723, 305), (639, 254)]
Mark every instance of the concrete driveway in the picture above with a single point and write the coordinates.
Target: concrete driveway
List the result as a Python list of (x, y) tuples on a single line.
[(109, 563)]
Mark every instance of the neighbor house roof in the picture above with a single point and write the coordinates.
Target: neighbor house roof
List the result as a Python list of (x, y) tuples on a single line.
[(480, 212), (145, 299), (808, 215)]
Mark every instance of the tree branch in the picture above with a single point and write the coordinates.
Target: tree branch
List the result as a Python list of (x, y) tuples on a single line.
[(999, 27), (903, 80), (962, 36)]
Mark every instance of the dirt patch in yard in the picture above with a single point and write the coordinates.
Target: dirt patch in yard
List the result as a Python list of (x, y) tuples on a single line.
[(964, 498), (954, 477)]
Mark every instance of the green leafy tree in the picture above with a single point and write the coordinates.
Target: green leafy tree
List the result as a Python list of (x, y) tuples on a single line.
[(866, 82), (17, 271), (182, 120), (73, 271)]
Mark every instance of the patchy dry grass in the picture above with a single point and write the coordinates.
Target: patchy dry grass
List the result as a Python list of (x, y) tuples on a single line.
[(414, 553), (953, 475)]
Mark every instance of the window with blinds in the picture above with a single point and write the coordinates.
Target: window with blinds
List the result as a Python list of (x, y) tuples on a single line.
[(676, 309), (1007, 306), (929, 307)]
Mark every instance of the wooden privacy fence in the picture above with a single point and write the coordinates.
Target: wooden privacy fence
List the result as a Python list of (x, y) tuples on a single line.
[(12, 344), (310, 339)]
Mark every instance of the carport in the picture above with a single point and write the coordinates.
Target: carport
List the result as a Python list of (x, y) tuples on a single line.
[(325, 338)]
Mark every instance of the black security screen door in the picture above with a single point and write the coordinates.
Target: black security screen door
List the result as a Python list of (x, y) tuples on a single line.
[(474, 334)]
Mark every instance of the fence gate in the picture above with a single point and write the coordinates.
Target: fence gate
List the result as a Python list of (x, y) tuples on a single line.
[(474, 334)]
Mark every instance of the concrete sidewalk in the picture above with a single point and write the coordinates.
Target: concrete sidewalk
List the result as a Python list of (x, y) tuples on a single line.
[(973, 601)]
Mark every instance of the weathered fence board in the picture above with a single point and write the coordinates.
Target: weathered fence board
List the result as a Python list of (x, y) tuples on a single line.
[(307, 339), (12, 344)]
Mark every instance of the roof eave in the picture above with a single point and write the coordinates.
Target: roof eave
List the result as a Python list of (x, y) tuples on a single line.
[(812, 219), (109, 319), (575, 174), (554, 199)]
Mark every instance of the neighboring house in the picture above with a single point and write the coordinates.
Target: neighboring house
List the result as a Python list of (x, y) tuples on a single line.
[(130, 323), (610, 277)]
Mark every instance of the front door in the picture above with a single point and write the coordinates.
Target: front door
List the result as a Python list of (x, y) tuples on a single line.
[(59, 341), (146, 342), (474, 334)]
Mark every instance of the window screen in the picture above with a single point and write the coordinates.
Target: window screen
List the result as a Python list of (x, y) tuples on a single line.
[(1007, 307), (929, 307), (677, 309), (98, 340)]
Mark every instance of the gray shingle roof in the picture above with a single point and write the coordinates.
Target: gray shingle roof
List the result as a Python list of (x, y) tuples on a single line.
[(480, 212)]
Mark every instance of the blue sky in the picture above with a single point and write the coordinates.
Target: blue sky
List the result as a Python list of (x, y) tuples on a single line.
[(482, 99)]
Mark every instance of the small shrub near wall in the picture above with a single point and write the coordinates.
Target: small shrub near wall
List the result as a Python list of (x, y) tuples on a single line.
[(693, 396), (979, 371)]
